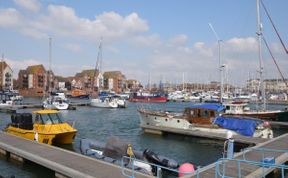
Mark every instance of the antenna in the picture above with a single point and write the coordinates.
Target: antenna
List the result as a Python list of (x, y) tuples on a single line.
[(219, 56)]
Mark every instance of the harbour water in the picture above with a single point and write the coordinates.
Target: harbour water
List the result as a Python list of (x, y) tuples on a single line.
[(100, 124)]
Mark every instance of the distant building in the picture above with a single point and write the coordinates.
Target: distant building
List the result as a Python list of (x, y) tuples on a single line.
[(84, 80), (271, 85), (6, 76), (33, 81), (114, 81), (132, 84)]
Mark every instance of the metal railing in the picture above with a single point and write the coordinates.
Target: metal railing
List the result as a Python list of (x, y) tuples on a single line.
[(132, 160), (266, 166)]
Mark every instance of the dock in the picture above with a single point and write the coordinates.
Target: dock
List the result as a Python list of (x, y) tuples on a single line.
[(237, 138), (251, 155), (65, 163)]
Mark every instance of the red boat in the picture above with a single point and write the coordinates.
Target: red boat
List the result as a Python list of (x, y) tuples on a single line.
[(158, 99)]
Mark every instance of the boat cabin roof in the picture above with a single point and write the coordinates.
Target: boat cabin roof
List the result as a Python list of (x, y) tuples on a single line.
[(46, 111), (210, 106)]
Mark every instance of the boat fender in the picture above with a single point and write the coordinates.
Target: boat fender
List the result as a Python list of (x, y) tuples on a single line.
[(36, 136), (185, 169)]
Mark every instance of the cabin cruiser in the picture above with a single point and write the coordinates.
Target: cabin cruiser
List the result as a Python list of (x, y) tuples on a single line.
[(46, 127), (115, 150), (206, 117), (242, 109), (56, 101), (108, 100)]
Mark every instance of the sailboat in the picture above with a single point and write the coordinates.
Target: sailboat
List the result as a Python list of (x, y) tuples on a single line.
[(101, 101), (241, 108), (54, 101)]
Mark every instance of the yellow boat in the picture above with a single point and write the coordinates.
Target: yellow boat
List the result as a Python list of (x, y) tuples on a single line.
[(47, 127)]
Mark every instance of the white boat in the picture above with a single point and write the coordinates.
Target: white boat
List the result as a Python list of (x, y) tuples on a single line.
[(104, 102), (206, 117), (56, 102), (5, 100)]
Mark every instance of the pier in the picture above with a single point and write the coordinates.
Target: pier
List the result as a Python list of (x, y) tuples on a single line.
[(237, 138), (64, 163), (244, 164)]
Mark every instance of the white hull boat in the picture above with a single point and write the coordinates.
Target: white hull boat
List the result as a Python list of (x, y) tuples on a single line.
[(205, 119)]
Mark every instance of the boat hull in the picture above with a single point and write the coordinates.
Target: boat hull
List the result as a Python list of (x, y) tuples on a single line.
[(43, 137), (149, 99), (103, 104), (279, 116)]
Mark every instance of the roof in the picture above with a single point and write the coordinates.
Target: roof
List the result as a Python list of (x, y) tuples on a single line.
[(89, 72), (34, 69), (45, 111), (112, 74), (211, 106)]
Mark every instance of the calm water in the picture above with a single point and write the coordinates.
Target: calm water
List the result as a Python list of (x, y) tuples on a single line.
[(99, 124)]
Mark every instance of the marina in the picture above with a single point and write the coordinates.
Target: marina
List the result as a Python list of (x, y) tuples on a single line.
[(129, 129), (103, 89)]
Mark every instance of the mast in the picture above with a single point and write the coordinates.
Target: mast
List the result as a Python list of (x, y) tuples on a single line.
[(50, 58), (2, 71), (261, 67), (97, 66), (220, 62)]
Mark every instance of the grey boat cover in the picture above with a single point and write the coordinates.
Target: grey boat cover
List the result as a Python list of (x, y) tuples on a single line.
[(115, 148)]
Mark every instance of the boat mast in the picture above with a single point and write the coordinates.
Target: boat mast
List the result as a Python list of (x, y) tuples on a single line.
[(261, 67), (50, 58), (220, 62), (97, 67)]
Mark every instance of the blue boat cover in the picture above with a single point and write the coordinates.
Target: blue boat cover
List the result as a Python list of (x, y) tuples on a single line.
[(244, 127), (212, 106)]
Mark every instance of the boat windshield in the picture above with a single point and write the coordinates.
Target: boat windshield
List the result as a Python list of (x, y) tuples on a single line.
[(48, 119)]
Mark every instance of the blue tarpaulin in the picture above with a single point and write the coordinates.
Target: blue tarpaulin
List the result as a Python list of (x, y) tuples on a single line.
[(244, 127), (212, 106)]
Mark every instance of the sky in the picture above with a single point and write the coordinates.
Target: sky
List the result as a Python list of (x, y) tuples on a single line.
[(166, 40)]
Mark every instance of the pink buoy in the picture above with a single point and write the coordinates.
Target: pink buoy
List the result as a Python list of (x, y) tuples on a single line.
[(185, 169)]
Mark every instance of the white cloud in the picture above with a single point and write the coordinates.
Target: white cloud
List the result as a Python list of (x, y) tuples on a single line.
[(242, 44), (72, 47), (31, 5), (179, 39), (9, 18), (150, 40), (62, 21)]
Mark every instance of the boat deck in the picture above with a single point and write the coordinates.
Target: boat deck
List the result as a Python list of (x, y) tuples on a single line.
[(254, 155), (67, 163)]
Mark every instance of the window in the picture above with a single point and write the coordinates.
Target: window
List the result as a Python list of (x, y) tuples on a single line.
[(50, 119), (205, 113)]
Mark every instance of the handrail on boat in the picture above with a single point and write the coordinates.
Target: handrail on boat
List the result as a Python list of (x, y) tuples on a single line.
[(158, 167)]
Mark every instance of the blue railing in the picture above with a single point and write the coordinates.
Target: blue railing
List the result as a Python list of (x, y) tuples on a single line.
[(261, 164), (262, 151), (264, 166), (131, 161)]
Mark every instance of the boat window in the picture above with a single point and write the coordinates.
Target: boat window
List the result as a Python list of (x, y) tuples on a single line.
[(55, 118), (51, 118), (46, 119), (38, 119), (227, 107), (205, 114)]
